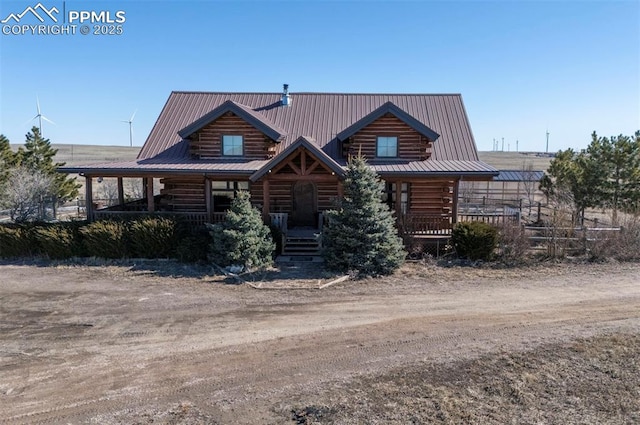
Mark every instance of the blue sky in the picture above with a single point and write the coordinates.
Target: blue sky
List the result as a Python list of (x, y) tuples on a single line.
[(522, 67)]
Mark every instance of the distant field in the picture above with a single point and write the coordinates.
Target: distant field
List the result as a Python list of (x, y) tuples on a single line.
[(515, 160), (85, 154)]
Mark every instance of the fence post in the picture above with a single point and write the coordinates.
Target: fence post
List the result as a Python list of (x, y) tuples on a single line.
[(539, 210)]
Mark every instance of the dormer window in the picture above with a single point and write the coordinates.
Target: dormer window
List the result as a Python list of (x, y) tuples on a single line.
[(387, 147), (232, 145)]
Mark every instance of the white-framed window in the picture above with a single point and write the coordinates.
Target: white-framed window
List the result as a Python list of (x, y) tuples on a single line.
[(387, 147), (223, 192), (232, 145)]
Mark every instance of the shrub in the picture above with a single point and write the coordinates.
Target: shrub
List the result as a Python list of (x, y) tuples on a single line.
[(513, 243), (193, 248), (153, 237), (58, 241), (242, 239), (106, 239), (16, 241), (474, 240)]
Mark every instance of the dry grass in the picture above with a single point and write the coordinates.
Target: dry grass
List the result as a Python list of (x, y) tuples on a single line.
[(86, 154), (515, 160), (588, 381)]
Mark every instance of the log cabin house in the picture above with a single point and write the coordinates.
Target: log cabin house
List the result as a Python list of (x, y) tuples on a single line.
[(290, 150)]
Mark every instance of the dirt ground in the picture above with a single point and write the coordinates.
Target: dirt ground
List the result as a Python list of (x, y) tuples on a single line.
[(155, 343)]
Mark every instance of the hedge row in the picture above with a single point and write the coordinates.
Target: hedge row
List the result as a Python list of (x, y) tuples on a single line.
[(148, 237)]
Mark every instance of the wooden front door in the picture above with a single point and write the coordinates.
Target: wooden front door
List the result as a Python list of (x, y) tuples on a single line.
[(305, 204)]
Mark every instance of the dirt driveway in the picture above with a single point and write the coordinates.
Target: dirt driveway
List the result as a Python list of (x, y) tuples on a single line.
[(82, 344)]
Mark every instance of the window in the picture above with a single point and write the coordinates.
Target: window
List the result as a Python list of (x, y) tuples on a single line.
[(387, 147), (390, 196), (224, 192), (232, 145)]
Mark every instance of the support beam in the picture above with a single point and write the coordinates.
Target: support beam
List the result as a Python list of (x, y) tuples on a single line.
[(208, 199), (120, 191), (454, 210), (150, 203), (88, 197), (398, 195), (266, 196)]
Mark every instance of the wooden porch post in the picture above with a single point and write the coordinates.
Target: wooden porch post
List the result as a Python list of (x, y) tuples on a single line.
[(454, 210), (88, 197), (266, 196), (150, 203), (120, 191), (340, 189), (398, 195), (208, 199)]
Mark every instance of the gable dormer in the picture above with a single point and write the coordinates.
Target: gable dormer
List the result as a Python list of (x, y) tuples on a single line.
[(388, 133), (232, 130)]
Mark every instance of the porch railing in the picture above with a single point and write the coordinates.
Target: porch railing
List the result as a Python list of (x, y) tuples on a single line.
[(425, 224)]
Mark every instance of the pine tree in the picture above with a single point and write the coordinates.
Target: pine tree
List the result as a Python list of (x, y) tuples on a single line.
[(7, 159), (360, 235), (38, 155), (242, 239)]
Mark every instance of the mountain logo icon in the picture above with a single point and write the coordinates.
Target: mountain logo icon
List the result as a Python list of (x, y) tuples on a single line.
[(38, 11)]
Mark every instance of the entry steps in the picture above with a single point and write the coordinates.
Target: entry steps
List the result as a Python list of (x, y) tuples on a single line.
[(302, 244)]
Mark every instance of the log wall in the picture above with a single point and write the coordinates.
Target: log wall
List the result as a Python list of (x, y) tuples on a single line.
[(411, 144), (207, 143), (184, 194)]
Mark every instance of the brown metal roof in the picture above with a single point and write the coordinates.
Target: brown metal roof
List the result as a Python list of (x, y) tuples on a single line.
[(519, 175), (320, 116), (163, 165), (257, 168)]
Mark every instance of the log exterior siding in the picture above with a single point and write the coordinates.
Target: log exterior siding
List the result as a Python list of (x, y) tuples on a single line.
[(183, 194), (432, 197), (412, 146), (207, 143)]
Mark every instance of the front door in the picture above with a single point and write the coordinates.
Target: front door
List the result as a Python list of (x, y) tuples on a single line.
[(305, 204)]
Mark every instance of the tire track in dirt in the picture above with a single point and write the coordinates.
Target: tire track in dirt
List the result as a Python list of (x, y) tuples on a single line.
[(240, 377)]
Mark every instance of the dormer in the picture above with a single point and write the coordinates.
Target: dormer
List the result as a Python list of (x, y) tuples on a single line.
[(232, 130), (388, 134)]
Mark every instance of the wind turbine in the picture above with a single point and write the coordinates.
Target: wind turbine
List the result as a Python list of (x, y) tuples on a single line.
[(40, 117), (130, 121)]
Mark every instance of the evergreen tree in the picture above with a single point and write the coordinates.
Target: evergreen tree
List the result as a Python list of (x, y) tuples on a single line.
[(360, 235), (7, 159), (242, 239), (38, 155), (606, 174)]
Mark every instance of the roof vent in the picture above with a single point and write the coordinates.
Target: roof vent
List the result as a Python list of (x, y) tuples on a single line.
[(286, 99)]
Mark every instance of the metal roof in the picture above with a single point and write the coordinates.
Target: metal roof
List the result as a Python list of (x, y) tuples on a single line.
[(315, 121), (518, 175), (257, 168), (446, 167), (175, 166), (320, 116)]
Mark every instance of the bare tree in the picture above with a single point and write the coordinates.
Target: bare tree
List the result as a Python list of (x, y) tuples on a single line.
[(107, 190), (133, 189), (529, 183), (26, 192)]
